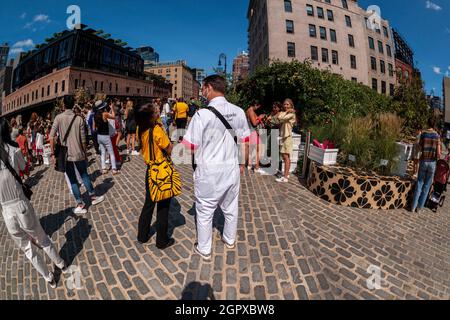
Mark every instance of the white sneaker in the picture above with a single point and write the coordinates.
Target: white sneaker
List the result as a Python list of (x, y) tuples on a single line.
[(229, 246), (80, 210), (282, 180), (205, 257), (107, 161), (135, 153), (128, 152), (52, 282), (262, 172), (97, 200)]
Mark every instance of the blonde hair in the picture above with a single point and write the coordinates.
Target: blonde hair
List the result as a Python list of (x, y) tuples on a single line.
[(290, 102)]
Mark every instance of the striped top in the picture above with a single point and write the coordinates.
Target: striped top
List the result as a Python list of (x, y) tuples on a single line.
[(429, 142)]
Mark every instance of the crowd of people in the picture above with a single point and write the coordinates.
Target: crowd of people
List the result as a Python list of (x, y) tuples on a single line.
[(203, 131)]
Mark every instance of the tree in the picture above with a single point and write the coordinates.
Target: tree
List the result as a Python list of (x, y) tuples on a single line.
[(410, 103)]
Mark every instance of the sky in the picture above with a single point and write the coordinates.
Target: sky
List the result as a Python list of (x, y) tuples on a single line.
[(198, 31)]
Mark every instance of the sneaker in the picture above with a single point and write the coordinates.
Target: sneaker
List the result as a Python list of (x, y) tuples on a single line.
[(52, 283), (282, 180), (135, 153), (97, 200), (80, 210), (64, 269), (262, 172), (108, 162), (229, 246), (128, 152), (205, 257)]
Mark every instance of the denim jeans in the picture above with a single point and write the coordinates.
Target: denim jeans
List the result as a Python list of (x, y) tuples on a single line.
[(106, 146), (82, 169), (165, 121), (424, 182)]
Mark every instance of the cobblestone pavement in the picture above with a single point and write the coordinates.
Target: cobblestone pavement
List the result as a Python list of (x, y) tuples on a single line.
[(291, 245)]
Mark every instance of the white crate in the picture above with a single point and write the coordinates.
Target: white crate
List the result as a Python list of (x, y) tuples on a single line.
[(322, 156)]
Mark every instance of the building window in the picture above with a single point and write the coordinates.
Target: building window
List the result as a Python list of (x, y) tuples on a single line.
[(84, 83), (385, 31), (101, 86), (373, 63), (320, 13), (96, 85), (388, 50), (323, 33), (391, 89), (375, 84), (330, 15), (42, 92), (344, 4), (335, 57), (380, 47), (333, 35), (325, 56), (76, 84), (110, 87), (48, 90), (391, 70), (117, 87), (353, 61), (348, 21), (127, 90), (289, 26), (310, 10), (63, 86), (351, 41), (32, 96), (371, 43), (382, 66), (291, 49), (56, 88), (287, 5), (354, 79), (312, 31), (314, 53), (383, 87)]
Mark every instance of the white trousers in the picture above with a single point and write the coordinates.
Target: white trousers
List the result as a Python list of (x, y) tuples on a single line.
[(213, 189), (24, 227)]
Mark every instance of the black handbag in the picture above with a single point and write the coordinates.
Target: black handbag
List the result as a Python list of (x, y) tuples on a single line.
[(61, 150), (25, 187)]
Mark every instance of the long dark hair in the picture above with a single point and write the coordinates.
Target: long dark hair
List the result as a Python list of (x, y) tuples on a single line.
[(5, 139), (145, 118)]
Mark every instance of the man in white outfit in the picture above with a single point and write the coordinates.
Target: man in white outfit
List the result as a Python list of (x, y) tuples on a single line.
[(20, 218), (217, 176)]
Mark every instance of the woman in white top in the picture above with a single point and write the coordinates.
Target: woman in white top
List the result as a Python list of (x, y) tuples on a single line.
[(165, 115), (20, 218)]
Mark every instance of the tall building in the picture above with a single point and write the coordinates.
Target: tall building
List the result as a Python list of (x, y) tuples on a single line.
[(71, 60), (199, 74), (404, 58), (149, 55), (4, 52), (5, 82), (337, 35), (446, 85), (177, 73), (241, 67)]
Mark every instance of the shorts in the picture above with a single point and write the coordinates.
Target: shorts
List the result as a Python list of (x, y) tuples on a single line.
[(287, 146), (181, 123), (131, 127)]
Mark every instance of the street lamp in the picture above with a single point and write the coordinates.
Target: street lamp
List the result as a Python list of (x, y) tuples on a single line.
[(224, 58)]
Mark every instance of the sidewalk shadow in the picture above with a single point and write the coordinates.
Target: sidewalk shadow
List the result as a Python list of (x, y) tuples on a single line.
[(176, 219), (75, 239), (197, 291), (54, 222), (34, 179), (104, 187)]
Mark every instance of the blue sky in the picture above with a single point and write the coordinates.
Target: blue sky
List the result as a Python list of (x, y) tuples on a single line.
[(199, 30)]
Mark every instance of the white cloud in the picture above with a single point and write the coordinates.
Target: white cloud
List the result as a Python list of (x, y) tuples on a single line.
[(14, 51), (433, 6), (41, 18), (24, 43), (437, 70), (23, 15)]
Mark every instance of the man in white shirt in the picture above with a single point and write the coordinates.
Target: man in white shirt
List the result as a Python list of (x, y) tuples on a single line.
[(165, 115), (217, 177)]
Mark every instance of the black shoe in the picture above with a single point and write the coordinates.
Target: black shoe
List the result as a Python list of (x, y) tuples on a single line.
[(169, 243)]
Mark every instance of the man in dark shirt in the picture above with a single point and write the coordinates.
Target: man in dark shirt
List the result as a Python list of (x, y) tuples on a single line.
[(430, 145)]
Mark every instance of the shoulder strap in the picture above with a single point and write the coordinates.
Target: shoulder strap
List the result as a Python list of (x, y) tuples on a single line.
[(68, 130), (151, 150), (11, 169), (225, 122)]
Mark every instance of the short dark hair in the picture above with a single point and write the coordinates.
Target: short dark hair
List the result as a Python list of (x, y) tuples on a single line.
[(69, 102), (432, 122), (218, 83)]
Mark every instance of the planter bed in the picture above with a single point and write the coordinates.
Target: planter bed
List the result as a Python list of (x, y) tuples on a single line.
[(343, 186)]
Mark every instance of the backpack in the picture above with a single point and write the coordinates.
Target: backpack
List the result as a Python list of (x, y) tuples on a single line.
[(192, 110)]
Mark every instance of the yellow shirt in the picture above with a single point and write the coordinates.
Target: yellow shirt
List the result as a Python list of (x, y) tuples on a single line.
[(160, 142), (181, 110)]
